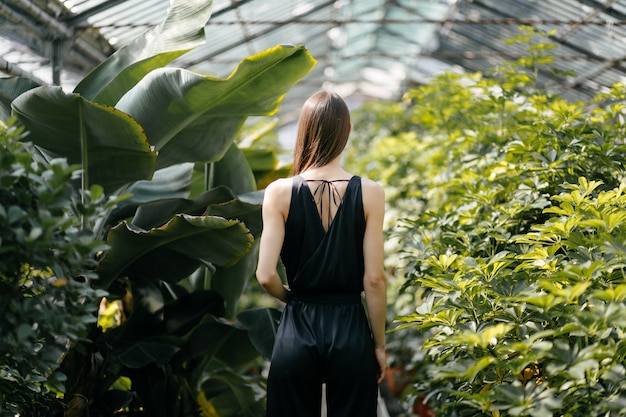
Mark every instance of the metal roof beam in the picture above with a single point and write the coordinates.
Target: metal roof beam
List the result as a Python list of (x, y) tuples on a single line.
[(586, 18), (233, 5), (578, 81), (593, 72), (547, 74), (49, 37), (607, 9), (77, 19), (58, 29), (561, 41), (22, 30), (262, 33), (510, 21), (74, 20), (12, 69)]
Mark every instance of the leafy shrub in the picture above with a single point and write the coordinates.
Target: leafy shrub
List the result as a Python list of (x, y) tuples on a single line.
[(46, 301), (514, 241)]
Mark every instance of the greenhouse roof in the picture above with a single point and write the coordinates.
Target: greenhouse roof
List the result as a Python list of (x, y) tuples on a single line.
[(364, 48)]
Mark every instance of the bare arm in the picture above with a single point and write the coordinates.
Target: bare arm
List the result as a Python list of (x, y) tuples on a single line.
[(277, 195), (374, 279)]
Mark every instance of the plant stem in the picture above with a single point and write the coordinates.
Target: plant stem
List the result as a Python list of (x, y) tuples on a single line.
[(209, 172), (84, 161)]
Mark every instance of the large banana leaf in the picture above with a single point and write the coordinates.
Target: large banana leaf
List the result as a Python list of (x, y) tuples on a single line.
[(165, 393), (221, 342), (110, 146), (192, 118), (174, 250), (248, 213), (261, 159), (265, 166), (182, 30), (173, 182), (189, 337), (237, 350), (158, 212), (162, 392), (233, 171), (262, 324), (188, 330), (143, 352), (228, 281), (227, 394), (165, 327), (10, 89)]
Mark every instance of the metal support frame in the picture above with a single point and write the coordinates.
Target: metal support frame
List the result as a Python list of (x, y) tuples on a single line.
[(58, 35), (579, 82), (12, 69), (466, 41), (254, 35)]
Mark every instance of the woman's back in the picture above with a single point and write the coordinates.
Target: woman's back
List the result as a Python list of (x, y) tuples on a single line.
[(323, 246)]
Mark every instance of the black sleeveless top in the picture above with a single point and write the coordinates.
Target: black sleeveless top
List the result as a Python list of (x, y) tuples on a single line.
[(324, 264)]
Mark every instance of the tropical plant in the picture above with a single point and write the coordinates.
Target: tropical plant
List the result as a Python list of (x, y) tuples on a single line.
[(515, 241), (175, 266)]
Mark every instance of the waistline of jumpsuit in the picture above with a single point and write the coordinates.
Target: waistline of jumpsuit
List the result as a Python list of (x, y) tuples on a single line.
[(326, 298)]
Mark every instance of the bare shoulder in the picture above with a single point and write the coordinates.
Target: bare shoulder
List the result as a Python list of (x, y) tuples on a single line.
[(279, 186), (373, 199), (372, 190), (278, 195)]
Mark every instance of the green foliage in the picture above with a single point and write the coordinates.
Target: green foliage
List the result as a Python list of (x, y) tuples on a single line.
[(46, 266), (168, 341), (267, 158), (537, 327), (110, 146), (514, 241)]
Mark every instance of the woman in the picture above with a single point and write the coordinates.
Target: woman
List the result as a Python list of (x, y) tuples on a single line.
[(326, 226)]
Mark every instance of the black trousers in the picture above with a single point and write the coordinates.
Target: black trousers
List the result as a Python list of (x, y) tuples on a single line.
[(320, 343)]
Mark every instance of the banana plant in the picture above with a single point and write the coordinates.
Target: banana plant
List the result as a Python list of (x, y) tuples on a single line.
[(178, 264)]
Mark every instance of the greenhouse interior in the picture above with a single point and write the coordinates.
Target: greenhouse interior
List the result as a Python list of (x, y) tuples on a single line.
[(137, 142)]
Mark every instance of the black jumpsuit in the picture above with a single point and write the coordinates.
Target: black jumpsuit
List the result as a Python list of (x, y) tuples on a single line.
[(324, 335)]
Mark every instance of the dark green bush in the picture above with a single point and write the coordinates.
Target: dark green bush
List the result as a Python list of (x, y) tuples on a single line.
[(46, 301)]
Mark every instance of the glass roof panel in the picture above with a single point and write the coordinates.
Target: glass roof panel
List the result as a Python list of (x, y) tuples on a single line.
[(79, 6), (360, 45)]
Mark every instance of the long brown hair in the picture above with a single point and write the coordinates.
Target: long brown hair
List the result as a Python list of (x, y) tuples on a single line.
[(323, 131)]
